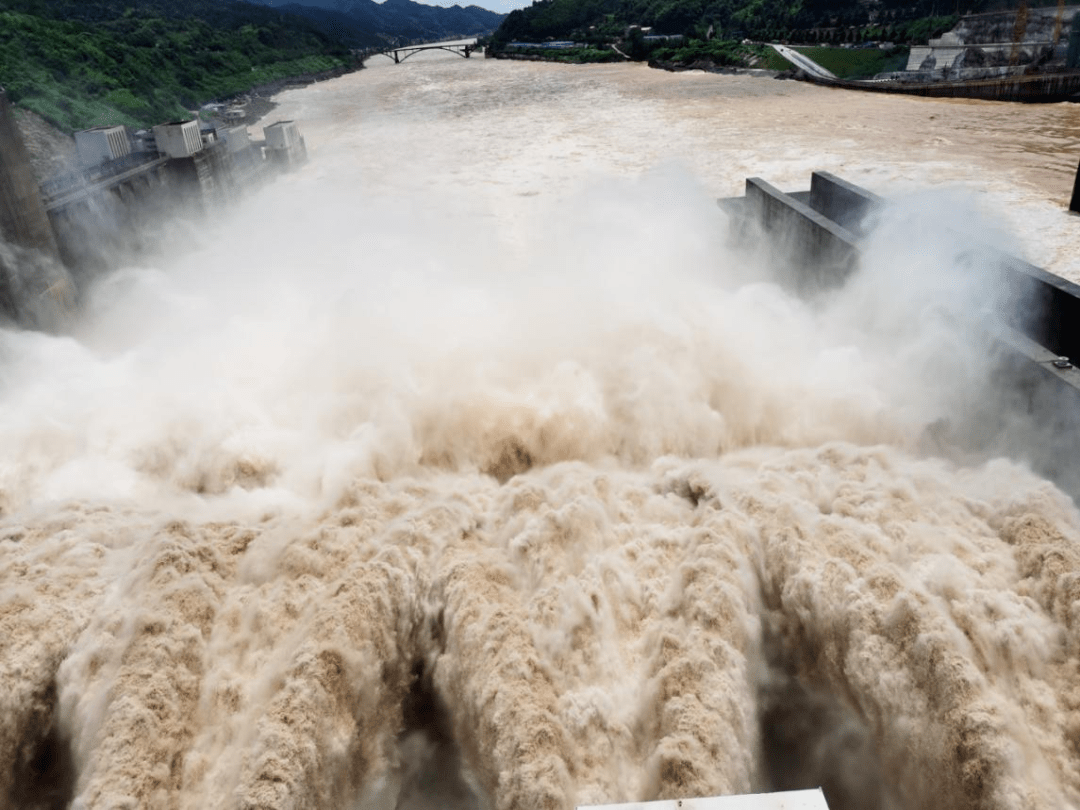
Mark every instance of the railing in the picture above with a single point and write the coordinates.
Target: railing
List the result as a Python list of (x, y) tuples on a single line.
[(62, 184)]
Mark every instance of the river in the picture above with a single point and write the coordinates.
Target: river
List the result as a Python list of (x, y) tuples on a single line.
[(470, 467)]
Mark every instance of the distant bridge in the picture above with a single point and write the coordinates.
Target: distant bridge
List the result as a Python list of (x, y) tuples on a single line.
[(403, 53)]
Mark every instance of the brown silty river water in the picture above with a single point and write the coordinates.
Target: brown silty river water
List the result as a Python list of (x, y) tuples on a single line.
[(469, 467)]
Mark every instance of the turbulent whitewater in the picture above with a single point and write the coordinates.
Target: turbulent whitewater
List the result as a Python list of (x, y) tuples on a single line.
[(469, 467)]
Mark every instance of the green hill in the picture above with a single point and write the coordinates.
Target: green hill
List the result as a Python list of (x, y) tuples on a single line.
[(705, 24), (83, 63)]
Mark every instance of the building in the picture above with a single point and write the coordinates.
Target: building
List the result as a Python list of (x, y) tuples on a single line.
[(285, 145), (101, 144), (178, 139)]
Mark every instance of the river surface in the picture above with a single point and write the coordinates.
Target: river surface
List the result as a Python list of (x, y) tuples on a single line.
[(470, 467)]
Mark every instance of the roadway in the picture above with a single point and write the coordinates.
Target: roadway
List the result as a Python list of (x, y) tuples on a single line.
[(802, 62)]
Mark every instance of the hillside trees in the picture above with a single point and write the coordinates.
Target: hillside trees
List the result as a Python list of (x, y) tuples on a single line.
[(140, 62), (901, 20)]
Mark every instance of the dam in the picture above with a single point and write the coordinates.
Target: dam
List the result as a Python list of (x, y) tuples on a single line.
[(472, 465)]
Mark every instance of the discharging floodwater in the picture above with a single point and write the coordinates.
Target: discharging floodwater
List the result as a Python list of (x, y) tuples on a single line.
[(469, 467)]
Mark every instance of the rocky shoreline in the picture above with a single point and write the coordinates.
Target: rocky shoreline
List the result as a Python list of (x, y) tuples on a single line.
[(259, 102)]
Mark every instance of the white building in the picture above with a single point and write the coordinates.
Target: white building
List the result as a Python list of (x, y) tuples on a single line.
[(285, 147), (178, 139), (237, 138), (101, 144), (282, 135)]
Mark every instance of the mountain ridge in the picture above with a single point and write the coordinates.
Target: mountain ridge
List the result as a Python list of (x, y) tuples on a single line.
[(365, 23)]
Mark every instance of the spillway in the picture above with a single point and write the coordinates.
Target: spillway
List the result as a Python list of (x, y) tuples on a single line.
[(471, 466)]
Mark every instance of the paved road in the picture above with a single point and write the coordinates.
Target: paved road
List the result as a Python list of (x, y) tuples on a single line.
[(803, 62)]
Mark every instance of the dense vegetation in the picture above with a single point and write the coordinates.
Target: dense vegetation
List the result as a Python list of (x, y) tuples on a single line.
[(82, 63), (583, 55), (899, 21), (363, 23), (719, 52), (714, 30)]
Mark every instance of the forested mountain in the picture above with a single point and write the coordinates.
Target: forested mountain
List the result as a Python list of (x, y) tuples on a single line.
[(82, 63), (365, 22), (596, 20)]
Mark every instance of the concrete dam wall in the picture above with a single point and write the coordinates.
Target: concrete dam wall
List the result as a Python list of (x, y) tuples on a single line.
[(57, 236), (1026, 320)]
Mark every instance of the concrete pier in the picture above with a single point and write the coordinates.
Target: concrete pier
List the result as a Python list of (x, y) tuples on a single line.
[(812, 237), (1029, 337)]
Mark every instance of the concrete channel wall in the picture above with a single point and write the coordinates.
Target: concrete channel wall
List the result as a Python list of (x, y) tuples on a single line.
[(842, 202), (813, 251), (1042, 306), (1036, 87), (1030, 408)]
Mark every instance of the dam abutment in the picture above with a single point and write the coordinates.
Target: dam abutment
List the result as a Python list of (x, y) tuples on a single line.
[(23, 220)]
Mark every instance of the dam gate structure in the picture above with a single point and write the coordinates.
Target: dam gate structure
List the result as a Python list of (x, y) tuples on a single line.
[(55, 235), (1026, 321)]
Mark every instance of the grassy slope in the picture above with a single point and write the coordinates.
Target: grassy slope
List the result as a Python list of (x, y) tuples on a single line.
[(857, 63), (846, 63), (145, 68)]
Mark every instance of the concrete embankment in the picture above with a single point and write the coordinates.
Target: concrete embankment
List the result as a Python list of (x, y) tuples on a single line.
[(1039, 87)]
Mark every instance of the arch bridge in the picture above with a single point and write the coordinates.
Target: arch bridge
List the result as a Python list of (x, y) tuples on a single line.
[(404, 52)]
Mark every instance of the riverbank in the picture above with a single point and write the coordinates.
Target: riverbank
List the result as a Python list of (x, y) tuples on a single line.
[(259, 101), (711, 67)]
